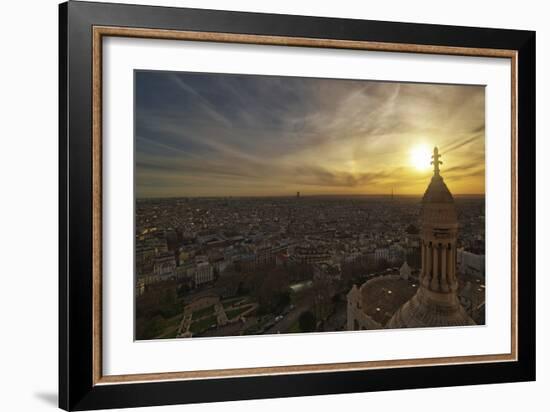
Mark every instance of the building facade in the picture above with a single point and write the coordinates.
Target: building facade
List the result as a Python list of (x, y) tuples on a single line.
[(165, 266), (204, 273), (471, 264)]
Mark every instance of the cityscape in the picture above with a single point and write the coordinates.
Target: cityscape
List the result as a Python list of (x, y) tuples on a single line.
[(246, 266), (249, 220)]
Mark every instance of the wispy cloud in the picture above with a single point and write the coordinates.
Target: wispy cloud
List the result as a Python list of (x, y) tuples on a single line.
[(214, 134)]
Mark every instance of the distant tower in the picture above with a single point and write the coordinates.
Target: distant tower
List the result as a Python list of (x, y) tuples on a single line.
[(436, 302), (297, 195)]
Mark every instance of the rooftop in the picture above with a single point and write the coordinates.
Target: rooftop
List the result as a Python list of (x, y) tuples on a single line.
[(382, 296)]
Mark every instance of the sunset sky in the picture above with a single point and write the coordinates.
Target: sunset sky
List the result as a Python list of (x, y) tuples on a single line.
[(202, 134)]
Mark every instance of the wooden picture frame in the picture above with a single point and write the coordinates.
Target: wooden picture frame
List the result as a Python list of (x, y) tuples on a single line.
[(82, 28)]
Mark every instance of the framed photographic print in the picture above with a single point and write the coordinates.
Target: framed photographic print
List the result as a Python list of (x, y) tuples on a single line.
[(257, 205)]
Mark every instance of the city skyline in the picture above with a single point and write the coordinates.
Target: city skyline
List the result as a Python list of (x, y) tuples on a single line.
[(209, 267), (220, 135), (305, 195)]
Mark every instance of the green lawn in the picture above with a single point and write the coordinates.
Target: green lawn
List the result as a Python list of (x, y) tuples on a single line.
[(229, 302), (203, 312), (236, 312), (170, 327), (232, 300), (201, 325), (170, 332), (252, 330), (294, 328)]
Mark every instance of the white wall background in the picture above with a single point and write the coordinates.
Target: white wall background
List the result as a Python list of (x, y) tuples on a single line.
[(28, 202)]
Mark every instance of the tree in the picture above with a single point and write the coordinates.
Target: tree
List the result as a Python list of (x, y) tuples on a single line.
[(307, 321), (271, 289), (150, 328), (182, 289), (323, 291)]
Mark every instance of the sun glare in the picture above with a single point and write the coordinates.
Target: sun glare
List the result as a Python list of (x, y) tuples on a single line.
[(421, 157)]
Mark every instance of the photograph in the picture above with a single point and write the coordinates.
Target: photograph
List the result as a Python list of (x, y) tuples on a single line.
[(277, 205)]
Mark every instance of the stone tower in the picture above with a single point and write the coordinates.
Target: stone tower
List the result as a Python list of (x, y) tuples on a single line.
[(436, 302)]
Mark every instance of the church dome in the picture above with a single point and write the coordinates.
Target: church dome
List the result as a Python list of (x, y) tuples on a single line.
[(437, 192), (438, 207)]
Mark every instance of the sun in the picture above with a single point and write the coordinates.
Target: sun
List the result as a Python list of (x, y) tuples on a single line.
[(421, 157)]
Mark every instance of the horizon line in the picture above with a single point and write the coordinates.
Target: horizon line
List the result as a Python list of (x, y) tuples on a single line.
[(301, 195)]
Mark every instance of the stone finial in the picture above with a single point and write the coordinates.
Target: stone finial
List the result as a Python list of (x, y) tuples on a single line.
[(436, 162)]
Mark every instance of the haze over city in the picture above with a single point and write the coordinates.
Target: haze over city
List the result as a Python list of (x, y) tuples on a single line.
[(239, 135)]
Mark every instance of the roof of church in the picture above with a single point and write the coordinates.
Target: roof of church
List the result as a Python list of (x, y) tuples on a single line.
[(437, 191), (387, 293), (421, 311)]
